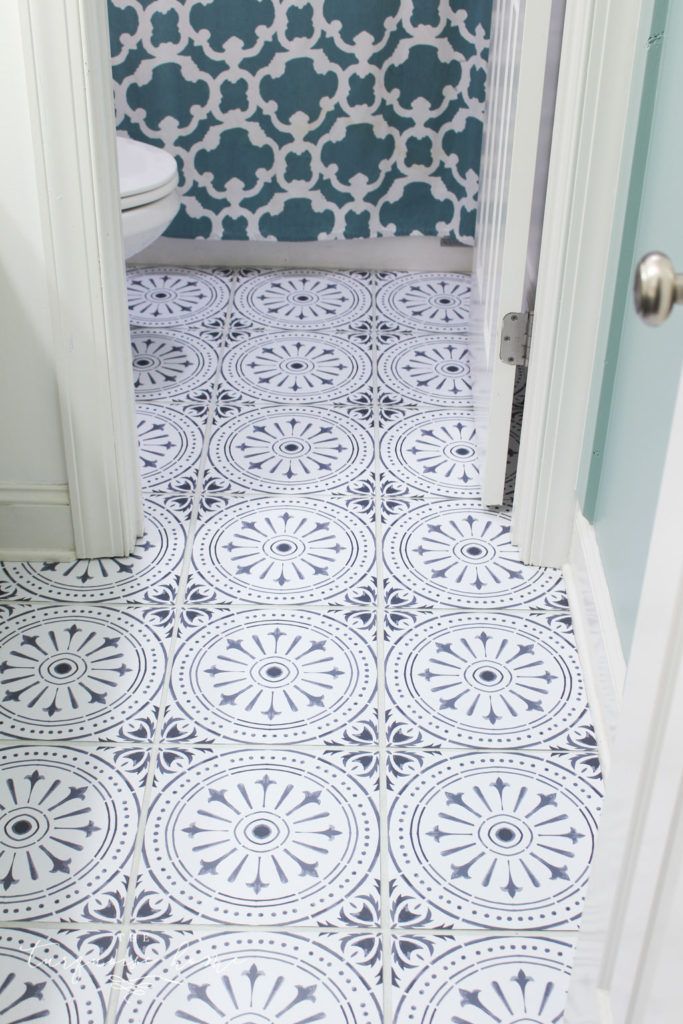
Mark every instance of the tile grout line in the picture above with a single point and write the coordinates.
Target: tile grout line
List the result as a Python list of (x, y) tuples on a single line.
[(117, 986)]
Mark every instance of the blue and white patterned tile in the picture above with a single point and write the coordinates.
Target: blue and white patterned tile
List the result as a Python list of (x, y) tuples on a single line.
[(171, 365), (426, 301), (149, 575), (520, 978), (191, 299), (297, 450), (459, 555), (276, 677), (64, 976), (252, 976), (300, 366), (433, 453), (79, 672), (489, 840), (261, 837), (490, 680), (310, 300), (425, 370), (285, 551), (170, 444), (68, 823)]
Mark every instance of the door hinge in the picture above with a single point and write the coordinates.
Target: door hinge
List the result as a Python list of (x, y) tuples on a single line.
[(515, 338)]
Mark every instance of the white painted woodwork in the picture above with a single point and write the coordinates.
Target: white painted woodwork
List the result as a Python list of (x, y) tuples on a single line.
[(68, 83), (520, 34), (596, 633), (630, 948), (592, 151)]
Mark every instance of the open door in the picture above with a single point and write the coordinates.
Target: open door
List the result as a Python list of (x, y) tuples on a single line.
[(628, 963), (520, 103)]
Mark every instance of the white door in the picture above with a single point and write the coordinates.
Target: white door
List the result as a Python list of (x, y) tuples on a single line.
[(514, 100), (629, 963)]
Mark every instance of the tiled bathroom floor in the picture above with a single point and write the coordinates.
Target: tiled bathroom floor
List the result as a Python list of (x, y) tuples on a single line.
[(319, 750)]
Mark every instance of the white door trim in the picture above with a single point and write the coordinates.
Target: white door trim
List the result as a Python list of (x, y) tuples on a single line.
[(67, 54), (627, 965), (592, 151), (597, 636)]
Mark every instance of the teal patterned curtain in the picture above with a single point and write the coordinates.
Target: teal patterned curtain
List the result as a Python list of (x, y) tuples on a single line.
[(309, 119)]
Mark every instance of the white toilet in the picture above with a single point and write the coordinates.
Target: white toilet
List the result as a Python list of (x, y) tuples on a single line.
[(148, 178)]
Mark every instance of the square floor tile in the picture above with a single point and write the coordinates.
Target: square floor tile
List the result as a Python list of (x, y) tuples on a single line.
[(490, 978), (310, 300), (173, 365), (61, 976), (69, 820), (431, 452), (178, 297), (485, 679), (275, 677), (295, 450), (170, 441), (252, 976), (424, 369), (489, 840), (459, 555), (287, 550), (298, 366), (426, 302), (262, 837), (79, 672), (150, 575)]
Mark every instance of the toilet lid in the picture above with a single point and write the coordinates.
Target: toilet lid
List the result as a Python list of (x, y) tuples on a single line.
[(146, 172)]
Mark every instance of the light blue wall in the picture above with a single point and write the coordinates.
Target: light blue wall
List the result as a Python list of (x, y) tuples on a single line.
[(305, 119), (637, 374)]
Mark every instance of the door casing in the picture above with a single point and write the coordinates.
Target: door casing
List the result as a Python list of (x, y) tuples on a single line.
[(66, 45)]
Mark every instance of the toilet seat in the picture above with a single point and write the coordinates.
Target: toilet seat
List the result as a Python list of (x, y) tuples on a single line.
[(146, 173)]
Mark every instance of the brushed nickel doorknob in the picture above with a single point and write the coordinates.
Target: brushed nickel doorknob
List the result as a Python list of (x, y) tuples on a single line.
[(656, 288)]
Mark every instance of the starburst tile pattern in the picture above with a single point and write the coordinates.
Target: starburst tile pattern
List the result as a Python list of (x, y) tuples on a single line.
[(168, 363), (282, 551), (273, 837), (494, 978), (297, 450), (169, 445), (68, 822), (458, 554), (319, 747), (291, 299), (63, 976), (490, 841), (432, 453), (175, 297), (426, 302), (295, 366), (425, 371), (481, 679), (276, 677), (252, 976), (79, 672)]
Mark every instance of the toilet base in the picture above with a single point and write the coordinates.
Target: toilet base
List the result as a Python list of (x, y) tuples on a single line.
[(142, 225)]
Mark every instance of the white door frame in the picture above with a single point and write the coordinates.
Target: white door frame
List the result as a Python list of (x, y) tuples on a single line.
[(628, 960), (67, 53), (592, 152)]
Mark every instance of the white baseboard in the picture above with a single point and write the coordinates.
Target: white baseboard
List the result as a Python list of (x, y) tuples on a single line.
[(409, 253), (597, 636), (35, 523)]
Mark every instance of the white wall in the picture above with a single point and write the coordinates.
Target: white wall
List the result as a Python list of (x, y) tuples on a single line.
[(31, 441)]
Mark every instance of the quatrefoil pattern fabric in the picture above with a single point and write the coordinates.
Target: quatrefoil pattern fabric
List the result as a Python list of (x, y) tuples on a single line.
[(309, 119)]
